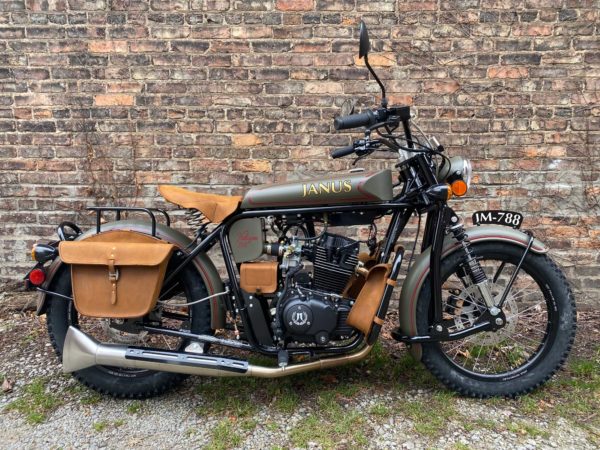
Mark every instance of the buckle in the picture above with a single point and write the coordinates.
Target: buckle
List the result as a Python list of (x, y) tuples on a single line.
[(113, 276)]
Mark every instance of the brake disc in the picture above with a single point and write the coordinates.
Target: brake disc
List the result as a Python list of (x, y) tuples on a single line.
[(472, 307)]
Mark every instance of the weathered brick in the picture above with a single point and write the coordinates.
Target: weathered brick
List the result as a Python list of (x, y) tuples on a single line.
[(246, 140), (107, 46), (113, 100), (507, 72), (294, 5)]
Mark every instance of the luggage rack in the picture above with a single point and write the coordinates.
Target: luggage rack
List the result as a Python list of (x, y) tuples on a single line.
[(119, 209)]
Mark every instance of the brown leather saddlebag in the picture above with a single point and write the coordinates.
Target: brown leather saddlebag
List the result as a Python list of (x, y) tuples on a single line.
[(117, 274), (366, 305), (259, 277)]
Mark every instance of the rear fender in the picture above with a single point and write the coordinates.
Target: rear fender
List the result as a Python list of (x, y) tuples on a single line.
[(415, 279), (205, 267)]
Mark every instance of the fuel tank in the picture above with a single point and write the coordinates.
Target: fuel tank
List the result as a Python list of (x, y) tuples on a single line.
[(362, 187)]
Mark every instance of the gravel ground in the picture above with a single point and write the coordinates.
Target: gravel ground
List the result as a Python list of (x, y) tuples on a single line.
[(371, 405)]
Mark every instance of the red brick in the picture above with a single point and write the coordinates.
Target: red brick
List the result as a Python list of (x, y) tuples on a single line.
[(508, 72), (107, 46), (113, 100), (295, 5)]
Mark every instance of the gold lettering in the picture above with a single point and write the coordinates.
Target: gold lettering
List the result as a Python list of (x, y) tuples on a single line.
[(323, 187), (327, 187)]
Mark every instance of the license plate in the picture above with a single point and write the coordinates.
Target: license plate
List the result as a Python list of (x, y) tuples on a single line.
[(498, 217)]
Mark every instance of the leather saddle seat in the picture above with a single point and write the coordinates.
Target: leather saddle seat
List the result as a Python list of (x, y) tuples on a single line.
[(215, 207)]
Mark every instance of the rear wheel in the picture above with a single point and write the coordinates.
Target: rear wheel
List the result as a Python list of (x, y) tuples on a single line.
[(130, 383), (523, 354)]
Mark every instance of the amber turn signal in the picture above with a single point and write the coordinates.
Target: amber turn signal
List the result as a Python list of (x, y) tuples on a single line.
[(43, 252), (459, 188)]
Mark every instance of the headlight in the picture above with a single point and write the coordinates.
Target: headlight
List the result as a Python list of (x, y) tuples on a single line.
[(457, 174), (467, 171)]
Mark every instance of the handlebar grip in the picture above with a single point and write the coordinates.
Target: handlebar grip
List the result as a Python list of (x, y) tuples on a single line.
[(339, 152), (355, 120)]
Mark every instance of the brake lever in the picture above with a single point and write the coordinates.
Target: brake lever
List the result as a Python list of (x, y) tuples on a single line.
[(364, 148)]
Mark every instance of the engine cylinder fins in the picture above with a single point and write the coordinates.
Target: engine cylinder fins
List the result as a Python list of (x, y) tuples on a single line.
[(332, 276), (82, 351)]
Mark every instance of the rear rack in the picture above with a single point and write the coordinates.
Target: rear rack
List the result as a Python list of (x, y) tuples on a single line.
[(119, 209)]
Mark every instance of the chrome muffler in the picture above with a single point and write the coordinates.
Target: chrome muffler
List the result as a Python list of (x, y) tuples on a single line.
[(82, 351)]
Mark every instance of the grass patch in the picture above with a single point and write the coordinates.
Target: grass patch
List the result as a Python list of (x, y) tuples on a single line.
[(134, 407), (381, 411), (575, 393), (231, 396), (91, 398), (526, 429), (330, 424), (100, 426), (286, 402), (36, 403), (224, 436), (430, 417), (460, 446)]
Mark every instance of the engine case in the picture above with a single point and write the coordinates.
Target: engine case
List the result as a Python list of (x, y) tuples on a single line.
[(315, 318)]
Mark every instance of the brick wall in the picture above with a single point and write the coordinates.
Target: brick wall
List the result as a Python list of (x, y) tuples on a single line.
[(100, 100)]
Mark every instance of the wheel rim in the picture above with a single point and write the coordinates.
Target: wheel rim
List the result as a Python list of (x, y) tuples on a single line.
[(512, 349)]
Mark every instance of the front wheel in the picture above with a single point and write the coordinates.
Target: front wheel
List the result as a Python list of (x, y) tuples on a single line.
[(522, 355)]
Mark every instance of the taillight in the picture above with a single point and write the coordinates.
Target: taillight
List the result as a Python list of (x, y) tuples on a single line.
[(37, 277)]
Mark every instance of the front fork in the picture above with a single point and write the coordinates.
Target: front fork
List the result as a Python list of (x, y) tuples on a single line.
[(446, 221)]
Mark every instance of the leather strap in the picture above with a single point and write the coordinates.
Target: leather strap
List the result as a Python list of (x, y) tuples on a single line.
[(391, 282), (377, 320), (113, 276)]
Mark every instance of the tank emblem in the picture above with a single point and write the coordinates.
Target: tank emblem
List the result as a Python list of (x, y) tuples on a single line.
[(326, 187)]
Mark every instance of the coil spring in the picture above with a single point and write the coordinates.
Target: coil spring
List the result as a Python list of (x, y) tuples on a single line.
[(196, 219), (475, 271)]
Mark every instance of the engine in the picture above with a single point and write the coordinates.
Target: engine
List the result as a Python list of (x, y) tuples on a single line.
[(312, 309)]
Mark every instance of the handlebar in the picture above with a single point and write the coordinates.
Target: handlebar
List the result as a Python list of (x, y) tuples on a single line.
[(339, 152), (355, 120)]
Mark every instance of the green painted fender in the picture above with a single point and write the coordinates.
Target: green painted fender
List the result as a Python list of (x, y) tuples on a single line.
[(206, 269), (420, 269)]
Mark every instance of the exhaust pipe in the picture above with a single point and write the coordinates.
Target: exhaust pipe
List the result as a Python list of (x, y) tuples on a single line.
[(82, 351)]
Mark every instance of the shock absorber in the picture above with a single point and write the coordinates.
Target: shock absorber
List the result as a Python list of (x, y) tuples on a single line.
[(473, 268)]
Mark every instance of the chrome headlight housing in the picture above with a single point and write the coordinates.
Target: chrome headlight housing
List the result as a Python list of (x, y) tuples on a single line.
[(457, 174)]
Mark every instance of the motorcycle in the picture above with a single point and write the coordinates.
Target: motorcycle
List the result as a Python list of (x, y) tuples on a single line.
[(134, 306)]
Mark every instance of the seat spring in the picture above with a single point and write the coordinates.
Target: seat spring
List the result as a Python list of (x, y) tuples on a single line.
[(197, 220)]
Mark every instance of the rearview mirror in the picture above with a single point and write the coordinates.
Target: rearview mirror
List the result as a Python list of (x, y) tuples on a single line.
[(364, 45), (347, 107)]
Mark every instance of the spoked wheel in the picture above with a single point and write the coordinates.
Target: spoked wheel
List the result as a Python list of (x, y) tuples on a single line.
[(130, 382), (524, 353)]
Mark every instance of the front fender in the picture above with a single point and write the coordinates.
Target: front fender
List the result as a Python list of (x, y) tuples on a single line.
[(206, 269), (420, 269)]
